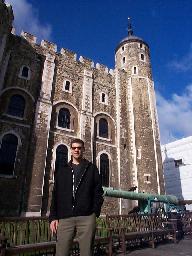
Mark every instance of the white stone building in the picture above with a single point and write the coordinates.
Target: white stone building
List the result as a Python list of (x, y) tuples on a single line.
[(177, 163)]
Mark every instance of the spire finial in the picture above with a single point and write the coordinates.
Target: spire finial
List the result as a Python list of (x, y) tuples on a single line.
[(130, 30)]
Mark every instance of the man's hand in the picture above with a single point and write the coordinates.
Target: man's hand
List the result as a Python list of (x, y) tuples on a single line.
[(54, 226)]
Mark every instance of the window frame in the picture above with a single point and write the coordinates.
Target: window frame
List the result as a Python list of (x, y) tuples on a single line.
[(21, 71), (16, 153), (106, 98), (98, 129), (133, 70), (141, 46), (74, 118), (109, 165), (111, 128), (178, 162), (67, 154), (144, 57), (70, 124), (8, 106), (147, 178), (70, 86)]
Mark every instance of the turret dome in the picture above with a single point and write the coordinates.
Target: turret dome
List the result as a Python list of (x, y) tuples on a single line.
[(130, 38)]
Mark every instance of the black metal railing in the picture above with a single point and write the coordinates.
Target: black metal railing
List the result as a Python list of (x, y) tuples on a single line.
[(32, 236)]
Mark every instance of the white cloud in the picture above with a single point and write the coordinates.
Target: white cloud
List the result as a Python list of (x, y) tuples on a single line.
[(175, 115), (27, 19), (184, 64)]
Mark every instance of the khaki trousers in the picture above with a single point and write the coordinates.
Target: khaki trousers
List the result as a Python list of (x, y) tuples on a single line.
[(81, 227)]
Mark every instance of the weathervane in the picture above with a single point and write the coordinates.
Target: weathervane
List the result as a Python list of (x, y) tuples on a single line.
[(130, 30)]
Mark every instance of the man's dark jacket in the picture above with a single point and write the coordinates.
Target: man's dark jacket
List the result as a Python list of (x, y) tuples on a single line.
[(87, 197)]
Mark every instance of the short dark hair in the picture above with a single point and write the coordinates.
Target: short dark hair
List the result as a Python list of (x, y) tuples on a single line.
[(77, 141)]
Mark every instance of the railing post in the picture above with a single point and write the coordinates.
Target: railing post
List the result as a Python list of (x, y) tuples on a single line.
[(3, 245), (2, 250)]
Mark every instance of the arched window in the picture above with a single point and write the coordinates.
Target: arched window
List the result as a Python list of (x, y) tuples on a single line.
[(25, 72), (64, 118), (142, 56), (67, 86), (103, 97), (134, 70), (61, 156), (103, 128), (104, 169), (16, 106), (8, 154)]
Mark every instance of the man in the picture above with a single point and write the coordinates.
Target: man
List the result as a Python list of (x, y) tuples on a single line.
[(76, 202)]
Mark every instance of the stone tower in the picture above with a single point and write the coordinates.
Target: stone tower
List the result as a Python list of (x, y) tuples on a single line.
[(137, 126)]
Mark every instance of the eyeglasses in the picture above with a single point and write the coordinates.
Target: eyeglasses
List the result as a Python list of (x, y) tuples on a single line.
[(73, 148)]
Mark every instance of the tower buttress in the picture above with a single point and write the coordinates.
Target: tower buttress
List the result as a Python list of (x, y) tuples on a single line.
[(141, 143), (6, 21)]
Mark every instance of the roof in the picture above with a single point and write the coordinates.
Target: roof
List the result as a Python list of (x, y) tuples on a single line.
[(130, 38)]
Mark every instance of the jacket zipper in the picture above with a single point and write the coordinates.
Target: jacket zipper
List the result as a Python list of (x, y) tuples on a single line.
[(73, 181)]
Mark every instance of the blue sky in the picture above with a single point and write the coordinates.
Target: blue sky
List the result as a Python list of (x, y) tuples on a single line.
[(93, 28)]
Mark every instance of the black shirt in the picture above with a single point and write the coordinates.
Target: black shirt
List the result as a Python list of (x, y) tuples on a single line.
[(77, 168)]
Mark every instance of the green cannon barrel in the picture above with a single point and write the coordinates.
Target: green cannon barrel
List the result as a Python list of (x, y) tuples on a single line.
[(139, 196)]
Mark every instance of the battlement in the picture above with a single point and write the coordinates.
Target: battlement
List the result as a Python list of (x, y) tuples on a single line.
[(88, 63), (29, 37), (13, 31), (104, 69), (49, 45), (7, 4), (68, 54)]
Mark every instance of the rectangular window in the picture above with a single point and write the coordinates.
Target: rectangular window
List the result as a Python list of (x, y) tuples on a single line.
[(178, 162), (67, 85), (103, 97), (147, 178), (142, 56)]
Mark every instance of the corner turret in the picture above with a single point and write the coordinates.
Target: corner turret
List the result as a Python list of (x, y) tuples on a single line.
[(132, 55), (6, 21), (6, 18)]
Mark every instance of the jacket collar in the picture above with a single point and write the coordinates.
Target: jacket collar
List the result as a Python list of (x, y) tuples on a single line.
[(84, 164)]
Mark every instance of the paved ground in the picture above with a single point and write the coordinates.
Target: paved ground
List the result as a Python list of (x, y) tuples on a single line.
[(183, 248)]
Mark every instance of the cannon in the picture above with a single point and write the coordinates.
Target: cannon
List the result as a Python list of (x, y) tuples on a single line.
[(146, 200)]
